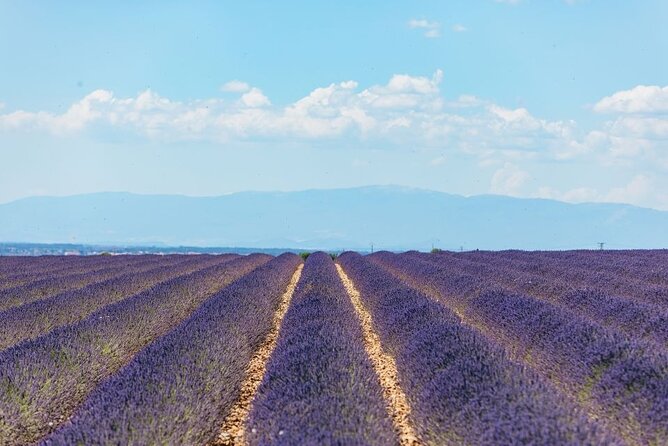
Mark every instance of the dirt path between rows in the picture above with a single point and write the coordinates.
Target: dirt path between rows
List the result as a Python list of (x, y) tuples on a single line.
[(385, 367), (233, 430)]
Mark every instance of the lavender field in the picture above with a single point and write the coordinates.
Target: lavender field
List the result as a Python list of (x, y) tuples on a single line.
[(476, 348)]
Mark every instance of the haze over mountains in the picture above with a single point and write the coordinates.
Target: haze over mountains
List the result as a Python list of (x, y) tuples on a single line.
[(390, 217)]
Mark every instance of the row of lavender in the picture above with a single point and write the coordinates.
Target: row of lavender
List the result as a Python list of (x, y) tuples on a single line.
[(601, 302), (621, 380), (36, 318), (641, 265), (645, 281), (42, 381), (179, 389), (176, 385), (320, 386), (16, 271), (10, 265), (646, 265), (46, 285), (462, 388)]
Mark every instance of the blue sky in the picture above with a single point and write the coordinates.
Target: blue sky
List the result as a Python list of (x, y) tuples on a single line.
[(553, 98)]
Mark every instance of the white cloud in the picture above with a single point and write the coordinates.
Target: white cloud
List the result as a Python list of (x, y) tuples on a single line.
[(459, 28), (255, 98), (466, 101), (235, 87), (575, 195), (431, 29), (508, 180), (635, 135), (406, 111), (405, 92), (637, 190), (148, 100), (75, 118), (639, 127), (641, 189), (641, 99)]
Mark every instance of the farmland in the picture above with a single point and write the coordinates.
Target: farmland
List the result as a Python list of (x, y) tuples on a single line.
[(508, 347)]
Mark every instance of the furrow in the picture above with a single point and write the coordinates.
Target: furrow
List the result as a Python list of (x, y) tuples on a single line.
[(385, 367), (232, 431)]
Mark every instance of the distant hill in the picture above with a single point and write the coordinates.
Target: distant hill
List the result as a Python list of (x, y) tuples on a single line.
[(42, 249), (389, 217)]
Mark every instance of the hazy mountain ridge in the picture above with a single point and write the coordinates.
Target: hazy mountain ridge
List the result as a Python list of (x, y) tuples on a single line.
[(387, 216)]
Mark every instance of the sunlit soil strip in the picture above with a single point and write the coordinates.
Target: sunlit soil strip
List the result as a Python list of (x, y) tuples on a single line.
[(384, 366), (232, 431)]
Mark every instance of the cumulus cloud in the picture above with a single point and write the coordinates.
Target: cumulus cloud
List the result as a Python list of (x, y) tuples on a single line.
[(405, 92), (641, 99), (637, 130), (235, 86), (508, 180), (255, 98), (637, 190), (431, 29), (75, 118), (407, 110), (640, 189), (639, 127), (575, 195)]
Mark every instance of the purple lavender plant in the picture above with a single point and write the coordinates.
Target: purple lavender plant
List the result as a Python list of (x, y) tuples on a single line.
[(320, 387), (45, 379), (38, 318), (193, 374), (52, 285), (462, 389), (627, 381)]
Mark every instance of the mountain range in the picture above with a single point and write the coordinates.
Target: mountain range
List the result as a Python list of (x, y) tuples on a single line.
[(385, 217)]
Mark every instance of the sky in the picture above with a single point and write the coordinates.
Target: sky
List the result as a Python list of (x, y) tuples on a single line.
[(561, 99)]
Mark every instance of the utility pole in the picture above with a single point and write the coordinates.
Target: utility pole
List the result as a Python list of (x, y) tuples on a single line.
[(601, 245), (371, 247)]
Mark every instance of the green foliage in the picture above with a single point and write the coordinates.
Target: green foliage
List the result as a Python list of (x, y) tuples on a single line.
[(436, 250), (304, 255), (333, 255)]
